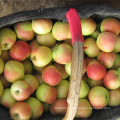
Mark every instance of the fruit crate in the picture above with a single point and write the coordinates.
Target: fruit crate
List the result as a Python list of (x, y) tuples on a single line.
[(84, 11)]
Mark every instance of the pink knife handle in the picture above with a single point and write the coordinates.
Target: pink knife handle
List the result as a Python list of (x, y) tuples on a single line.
[(75, 25)]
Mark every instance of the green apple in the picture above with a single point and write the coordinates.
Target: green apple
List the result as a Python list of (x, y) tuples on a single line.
[(1, 65), (1, 89)]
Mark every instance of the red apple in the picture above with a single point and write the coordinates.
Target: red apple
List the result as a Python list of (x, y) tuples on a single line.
[(42, 25), (112, 79), (59, 107), (51, 75), (33, 44), (41, 56), (98, 97), (46, 93), (62, 53), (106, 58), (36, 107), (20, 90), (14, 70), (7, 38), (20, 51), (20, 111), (95, 70), (7, 99), (110, 25), (32, 81), (1, 65), (5, 55), (106, 41), (24, 30)]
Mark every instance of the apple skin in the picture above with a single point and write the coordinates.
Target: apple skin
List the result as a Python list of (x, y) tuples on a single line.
[(106, 41), (61, 68), (51, 75), (61, 31), (68, 68), (110, 25), (0, 49), (7, 100), (5, 83), (106, 58), (7, 38), (39, 78), (24, 30), (36, 107), (116, 63), (117, 45), (84, 109), (1, 65), (88, 26), (33, 44), (28, 66), (84, 89), (98, 97), (96, 71), (20, 90), (20, 111), (62, 53), (1, 89), (41, 56), (32, 81), (46, 93), (112, 79), (93, 83), (42, 25), (46, 39), (59, 107), (20, 51), (5, 55), (92, 49), (62, 89), (13, 71), (95, 34), (114, 97)]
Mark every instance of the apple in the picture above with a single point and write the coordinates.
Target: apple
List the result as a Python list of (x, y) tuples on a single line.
[(5, 83), (62, 53), (20, 90), (106, 41), (114, 97), (84, 109), (41, 56), (98, 97), (62, 89), (61, 31), (51, 75), (20, 51), (88, 60), (68, 68), (0, 49), (84, 90), (1, 89), (36, 107), (33, 44), (110, 25), (117, 45), (106, 58), (13, 71), (39, 78), (93, 83), (46, 93), (116, 63), (1, 65), (95, 34), (24, 30), (7, 100), (61, 68), (59, 107), (32, 81), (20, 111), (42, 25), (88, 26), (28, 66), (46, 39), (5, 55), (112, 79), (92, 49), (96, 71), (7, 38)]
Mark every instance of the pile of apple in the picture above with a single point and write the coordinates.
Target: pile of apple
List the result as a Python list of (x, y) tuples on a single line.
[(35, 67)]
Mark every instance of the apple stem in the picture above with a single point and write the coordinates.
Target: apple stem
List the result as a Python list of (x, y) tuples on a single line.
[(33, 58), (5, 45)]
